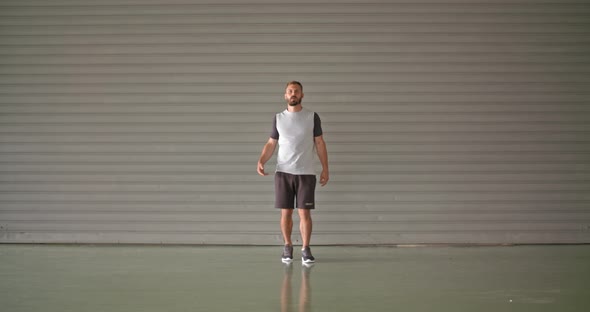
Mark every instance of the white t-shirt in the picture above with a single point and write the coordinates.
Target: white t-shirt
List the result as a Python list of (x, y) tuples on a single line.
[(295, 132)]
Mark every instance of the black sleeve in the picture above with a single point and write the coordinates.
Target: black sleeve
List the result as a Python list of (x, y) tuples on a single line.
[(317, 125), (274, 133)]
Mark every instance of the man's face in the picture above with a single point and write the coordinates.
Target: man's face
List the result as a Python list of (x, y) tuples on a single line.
[(293, 95)]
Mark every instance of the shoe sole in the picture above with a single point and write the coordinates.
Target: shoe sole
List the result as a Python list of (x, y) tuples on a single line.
[(286, 260), (307, 261)]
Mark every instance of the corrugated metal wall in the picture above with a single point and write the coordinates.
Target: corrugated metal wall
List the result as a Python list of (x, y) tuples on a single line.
[(141, 121)]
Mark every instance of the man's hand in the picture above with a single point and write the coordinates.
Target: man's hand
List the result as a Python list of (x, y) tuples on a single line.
[(260, 169), (323, 155), (324, 177), (267, 151)]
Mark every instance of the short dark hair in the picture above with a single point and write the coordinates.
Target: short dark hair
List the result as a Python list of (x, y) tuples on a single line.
[(295, 83)]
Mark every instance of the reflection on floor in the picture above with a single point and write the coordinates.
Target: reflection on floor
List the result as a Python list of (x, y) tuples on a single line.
[(216, 278), (304, 302)]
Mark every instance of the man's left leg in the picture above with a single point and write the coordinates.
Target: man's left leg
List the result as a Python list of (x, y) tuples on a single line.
[(305, 203), (305, 225)]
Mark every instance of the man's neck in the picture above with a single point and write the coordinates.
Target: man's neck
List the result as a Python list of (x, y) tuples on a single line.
[(294, 109)]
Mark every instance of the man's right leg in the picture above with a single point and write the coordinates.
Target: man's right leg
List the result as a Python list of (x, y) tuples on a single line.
[(287, 225), (284, 199), (287, 228)]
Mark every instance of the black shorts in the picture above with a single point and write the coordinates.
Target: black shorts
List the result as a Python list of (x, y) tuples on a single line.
[(289, 187)]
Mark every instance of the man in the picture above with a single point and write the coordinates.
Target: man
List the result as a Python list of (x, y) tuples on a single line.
[(297, 132)]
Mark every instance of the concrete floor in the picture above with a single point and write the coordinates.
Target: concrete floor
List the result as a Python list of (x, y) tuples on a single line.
[(189, 278)]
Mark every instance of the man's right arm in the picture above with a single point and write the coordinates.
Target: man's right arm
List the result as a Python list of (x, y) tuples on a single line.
[(267, 152)]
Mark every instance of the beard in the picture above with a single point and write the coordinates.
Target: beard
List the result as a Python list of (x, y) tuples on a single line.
[(294, 101)]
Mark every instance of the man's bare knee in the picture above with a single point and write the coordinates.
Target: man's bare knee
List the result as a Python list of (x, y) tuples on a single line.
[(304, 214)]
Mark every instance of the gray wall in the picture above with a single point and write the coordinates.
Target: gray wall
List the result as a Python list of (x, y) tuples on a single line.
[(141, 121)]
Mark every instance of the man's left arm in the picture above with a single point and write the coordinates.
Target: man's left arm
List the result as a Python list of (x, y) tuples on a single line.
[(323, 155)]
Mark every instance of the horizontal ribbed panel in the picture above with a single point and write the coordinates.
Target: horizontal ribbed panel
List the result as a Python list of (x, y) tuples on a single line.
[(140, 121)]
